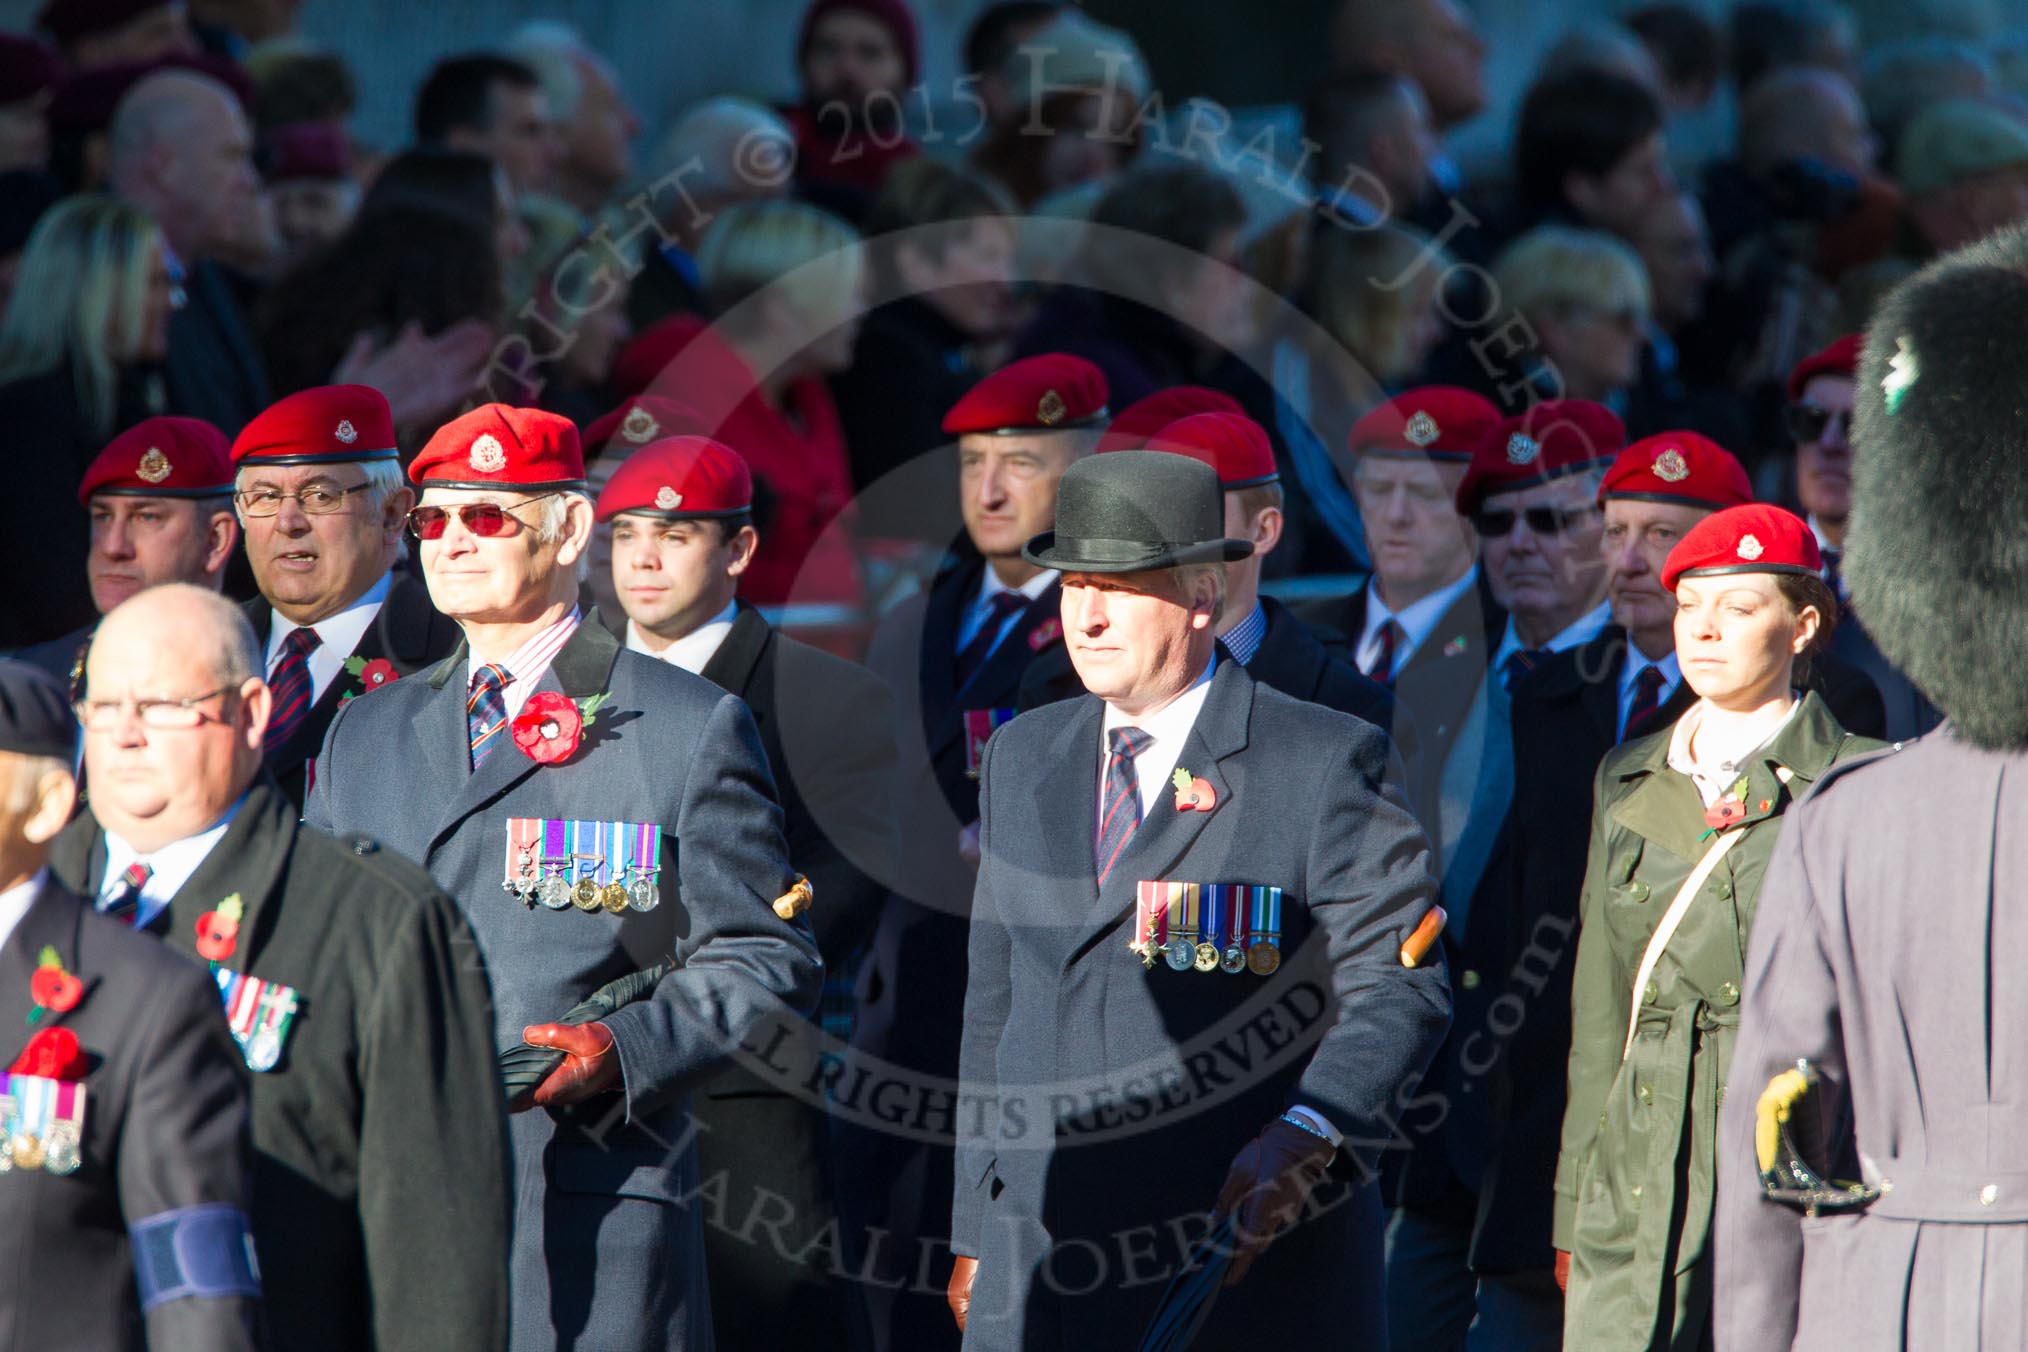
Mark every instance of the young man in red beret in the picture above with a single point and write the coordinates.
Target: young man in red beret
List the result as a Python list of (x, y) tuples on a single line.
[(321, 496), (680, 516), (953, 658), (588, 809), (160, 501)]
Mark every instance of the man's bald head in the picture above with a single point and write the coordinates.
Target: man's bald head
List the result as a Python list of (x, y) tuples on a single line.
[(180, 145), (210, 631), (1804, 112)]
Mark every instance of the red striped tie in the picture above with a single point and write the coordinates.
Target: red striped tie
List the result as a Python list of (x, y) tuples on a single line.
[(123, 903), (1120, 814), (486, 710), (289, 682)]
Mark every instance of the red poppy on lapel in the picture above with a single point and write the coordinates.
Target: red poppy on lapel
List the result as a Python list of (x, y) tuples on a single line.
[(1045, 634), (1193, 792), (549, 727), (53, 989), (52, 1054)]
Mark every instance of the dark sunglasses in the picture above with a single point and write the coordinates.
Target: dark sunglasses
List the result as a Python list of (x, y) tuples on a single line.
[(483, 519), (1807, 422), (1495, 522)]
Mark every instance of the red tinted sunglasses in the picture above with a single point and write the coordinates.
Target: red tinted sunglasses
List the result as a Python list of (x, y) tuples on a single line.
[(483, 519)]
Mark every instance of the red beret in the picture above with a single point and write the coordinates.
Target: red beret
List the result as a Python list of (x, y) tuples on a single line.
[(1555, 438), (69, 20), (498, 446), (1841, 358), (1138, 421), (1231, 443), (315, 150), (640, 420), (1678, 467), (162, 458), (1756, 538), (893, 14), (678, 478), (1053, 392), (27, 67), (1441, 422), (323, 425)]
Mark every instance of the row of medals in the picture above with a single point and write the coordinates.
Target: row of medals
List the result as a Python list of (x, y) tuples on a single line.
[(1261, 958), (557, 892), (56, 1150)]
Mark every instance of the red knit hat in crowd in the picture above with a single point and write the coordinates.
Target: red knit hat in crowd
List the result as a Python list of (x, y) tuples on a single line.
[(1052, 392), (1840, 358), (1437, 422), (162, 458), (679, 478), (527, 450), (1231, 443), (1133, 425), (327, 424), (894, 15), (318, 151), (1555, 438), (1757, 538), (1679, 467)]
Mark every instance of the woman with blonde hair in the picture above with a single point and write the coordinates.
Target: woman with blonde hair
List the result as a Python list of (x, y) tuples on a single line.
[(1585, 296), (81, 347)]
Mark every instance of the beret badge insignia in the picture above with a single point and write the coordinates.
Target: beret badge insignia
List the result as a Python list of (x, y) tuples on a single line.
[(1671, 467), (1522, 448), (640, 426), (667, 498), (345, 431), (487, 454), (1051, 408), (1421, 430), (1750, 548), (154, 466)]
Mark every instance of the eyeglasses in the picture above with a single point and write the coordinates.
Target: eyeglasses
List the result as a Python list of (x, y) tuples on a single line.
[(1495, 522), (316, 501), (1807, 422), (483, 519), (107, 715)]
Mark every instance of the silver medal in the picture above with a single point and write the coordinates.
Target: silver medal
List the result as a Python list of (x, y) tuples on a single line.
[(554, 892), (642, 895), (1181, 954), (60, 1148), (264, 1050)]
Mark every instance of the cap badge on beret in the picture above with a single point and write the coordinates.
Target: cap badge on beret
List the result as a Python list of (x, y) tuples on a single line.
[(640, 426), (1049, 410), (154, 466), (667, 498), (1671, 467), (345, 431), (488, 456), (1750, 548), (1421, 430), (1522, 448)]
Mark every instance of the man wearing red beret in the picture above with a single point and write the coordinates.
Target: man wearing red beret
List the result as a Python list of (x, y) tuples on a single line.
[(588, 809), (608, 441), (680, 516), (160, 501), (953, 658), (320, 492)]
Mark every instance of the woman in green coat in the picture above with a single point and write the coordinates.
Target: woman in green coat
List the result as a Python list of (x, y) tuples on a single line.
[(1684, 823)]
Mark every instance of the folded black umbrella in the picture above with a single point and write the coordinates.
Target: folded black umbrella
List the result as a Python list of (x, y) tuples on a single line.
[(522, 1067), (1186, 1302)]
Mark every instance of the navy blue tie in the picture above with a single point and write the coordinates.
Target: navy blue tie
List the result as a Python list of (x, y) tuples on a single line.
[(486, 711), (290, 686), (1520, 663), (1120, 813), (975, 653)]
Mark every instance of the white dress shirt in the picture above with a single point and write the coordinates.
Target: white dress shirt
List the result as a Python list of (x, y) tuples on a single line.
[(1672, 676), (1585, 629), (981, 607), (695, 648), (15, 901), (1716, 768), (527, 664), (337, 636), (1168, 726), (172, 866), (1416, 620)]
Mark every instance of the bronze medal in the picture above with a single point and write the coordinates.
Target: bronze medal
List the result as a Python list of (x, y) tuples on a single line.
[(1262, 959), (613, 897), (1207, 958), (27, 1151)]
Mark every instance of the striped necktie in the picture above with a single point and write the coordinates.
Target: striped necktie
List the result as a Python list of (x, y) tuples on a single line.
[(1382, 670), (289, 683), (1121, 813), (1520, 663), (486, 710), (981, 647), (1646, 702), (123, 903)]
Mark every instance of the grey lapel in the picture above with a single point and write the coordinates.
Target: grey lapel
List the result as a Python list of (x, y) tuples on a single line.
[(1066, 801)]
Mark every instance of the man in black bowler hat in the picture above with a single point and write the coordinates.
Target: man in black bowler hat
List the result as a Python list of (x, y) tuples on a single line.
[(1203, 961)]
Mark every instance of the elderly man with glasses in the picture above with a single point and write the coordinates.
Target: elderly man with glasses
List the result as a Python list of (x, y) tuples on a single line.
[(353, 988), (321, 496), (601, 817)]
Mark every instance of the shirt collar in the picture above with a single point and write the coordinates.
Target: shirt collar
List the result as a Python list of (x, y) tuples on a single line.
[(1717, 768), (1243, 640), (341, 632), (1032, 589), (532, 658), (694, 649), (1584, 630), (16, 900), (1170, 724), (1671, 671), (1417, 619), (171, 866)]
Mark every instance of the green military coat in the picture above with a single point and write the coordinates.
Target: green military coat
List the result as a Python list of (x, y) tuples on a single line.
[(1636, 1176)]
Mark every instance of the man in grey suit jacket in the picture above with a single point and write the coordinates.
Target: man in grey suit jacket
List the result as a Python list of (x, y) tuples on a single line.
[(581, 848), (1130, 1069)]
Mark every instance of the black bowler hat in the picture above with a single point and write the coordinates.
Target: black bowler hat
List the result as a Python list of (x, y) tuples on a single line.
[(1134, 510), (35, 717)]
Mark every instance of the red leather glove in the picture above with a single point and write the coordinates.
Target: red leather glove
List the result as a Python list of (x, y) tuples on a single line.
[(1271, 1180), (959, 1292), (590, 1065), (1563, 1271)]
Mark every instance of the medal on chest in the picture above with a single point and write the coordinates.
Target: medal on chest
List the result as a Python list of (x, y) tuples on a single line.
[(41, 1123), (979, 725), (260, 1013), (562, 863), (1208, 927)]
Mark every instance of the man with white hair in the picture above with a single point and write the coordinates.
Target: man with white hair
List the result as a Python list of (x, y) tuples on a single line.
[(592, 118), (720, 153), (607, 824), (321, 496), (181, 146)]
